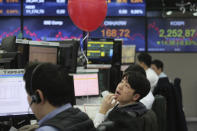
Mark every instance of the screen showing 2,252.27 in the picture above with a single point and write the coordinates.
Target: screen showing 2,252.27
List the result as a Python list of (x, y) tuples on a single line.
[(172, 35)]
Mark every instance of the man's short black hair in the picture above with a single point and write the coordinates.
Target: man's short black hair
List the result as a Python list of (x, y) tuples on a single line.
[(158, 64), (138, 82), (54, 82), (146, 58), (137, 68)]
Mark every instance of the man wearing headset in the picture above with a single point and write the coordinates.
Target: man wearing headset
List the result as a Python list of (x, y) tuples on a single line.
[(50, 94)]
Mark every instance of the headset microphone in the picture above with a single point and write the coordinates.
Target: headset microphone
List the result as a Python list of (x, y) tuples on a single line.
[(35, 98)]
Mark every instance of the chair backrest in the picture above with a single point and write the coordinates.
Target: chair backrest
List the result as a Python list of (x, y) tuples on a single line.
[(9, 44), (159, 107), (150, 121)]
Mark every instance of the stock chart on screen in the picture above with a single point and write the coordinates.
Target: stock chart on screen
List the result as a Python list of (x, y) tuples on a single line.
[(10, 7), (50, 29), (131, 30), (172, 35), (9, 27)]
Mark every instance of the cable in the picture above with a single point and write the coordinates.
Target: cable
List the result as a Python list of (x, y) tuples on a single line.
[(86, 37)]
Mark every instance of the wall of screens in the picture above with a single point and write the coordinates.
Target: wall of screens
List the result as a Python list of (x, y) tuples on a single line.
[(126, 19)]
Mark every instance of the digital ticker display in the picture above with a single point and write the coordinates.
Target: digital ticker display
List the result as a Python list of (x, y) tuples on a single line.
[(172, 35), (45, 8), (50, 29), (131, 30), (9, 27), (10, 7), (126, 8)]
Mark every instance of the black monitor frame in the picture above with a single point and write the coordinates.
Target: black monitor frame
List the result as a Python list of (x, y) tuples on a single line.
[(68, 53)]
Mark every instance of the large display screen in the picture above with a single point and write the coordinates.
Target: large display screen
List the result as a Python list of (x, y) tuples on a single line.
[(9, 27), (126, 8), (172, 35), (45, 8), (50, 29), (131, 30), (10, 7)]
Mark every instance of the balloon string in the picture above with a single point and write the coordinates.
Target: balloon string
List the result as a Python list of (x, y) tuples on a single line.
[(86, 37)]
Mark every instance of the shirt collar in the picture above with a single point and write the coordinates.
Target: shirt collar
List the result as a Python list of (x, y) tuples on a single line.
[(162, 75), (54, 113)]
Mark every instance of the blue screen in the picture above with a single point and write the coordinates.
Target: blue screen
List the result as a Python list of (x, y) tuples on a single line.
[(10, 7), (172, 35), (131, 30), (126, 8), (9, 27), (50, 29), (45, 8)]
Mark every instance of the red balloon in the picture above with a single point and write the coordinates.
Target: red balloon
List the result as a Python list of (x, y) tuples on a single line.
[(87, 15)]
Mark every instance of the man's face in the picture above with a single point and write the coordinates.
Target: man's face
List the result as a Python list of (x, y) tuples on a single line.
[(124, 93), (158, 71)]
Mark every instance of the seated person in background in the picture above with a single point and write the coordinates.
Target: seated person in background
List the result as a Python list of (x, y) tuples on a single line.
[(157, 66), (129, 91), (163, 84), (50, 96), (144, 60), (148, 99)]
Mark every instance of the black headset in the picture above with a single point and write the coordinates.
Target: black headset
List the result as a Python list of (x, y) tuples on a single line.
[(35, 98)]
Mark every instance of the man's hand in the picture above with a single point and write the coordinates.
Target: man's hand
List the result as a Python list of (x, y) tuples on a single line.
[(108, 103)]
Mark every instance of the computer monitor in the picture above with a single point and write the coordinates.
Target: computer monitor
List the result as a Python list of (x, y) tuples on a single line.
[(86, 84), (43, 54), (103, 52), (100, 51), (68, 53), (128, 54), (13, 97)]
